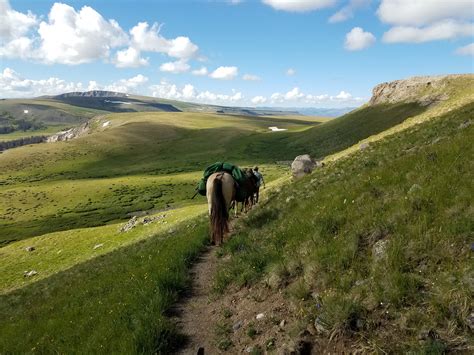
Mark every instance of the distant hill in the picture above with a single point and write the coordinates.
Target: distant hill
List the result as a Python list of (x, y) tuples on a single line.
[(316, 111)]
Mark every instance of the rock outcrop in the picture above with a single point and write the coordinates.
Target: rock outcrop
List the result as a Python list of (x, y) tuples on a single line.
[(303, 165), (426, 90), (69, 134)]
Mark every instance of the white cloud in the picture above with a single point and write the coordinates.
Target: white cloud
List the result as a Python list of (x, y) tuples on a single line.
[(250, 77), (146, 38), (170, 91), (295, 97), (129, 58), (131, 85), (200, 72), (258, 100), (71, 37), (13, 85), (466, 50), (290, 72), (422, 12), (14, 24), (347, 11), (358, 39), (225, 73), (442, 30), (342, 96), (293, 94), (176, 67), (299, 5)]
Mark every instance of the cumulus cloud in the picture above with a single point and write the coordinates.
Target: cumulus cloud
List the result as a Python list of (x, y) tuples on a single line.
[(296, 97), (258, 100), (129, 58), (179, 66), (428, 20), (357, 39), (225, 73), (171, 91), (200, 72), (251, 77), (290, 72), (347, 11), (466, 50), (442, 30), (14, 24), (417, 13), (299, 5), (71, 37), (13, 84), (75, 37)]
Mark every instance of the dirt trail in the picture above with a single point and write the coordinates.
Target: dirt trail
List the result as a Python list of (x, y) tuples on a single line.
[(196, 313)]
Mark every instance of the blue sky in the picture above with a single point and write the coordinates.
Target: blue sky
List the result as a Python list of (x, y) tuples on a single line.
[(320, 53)]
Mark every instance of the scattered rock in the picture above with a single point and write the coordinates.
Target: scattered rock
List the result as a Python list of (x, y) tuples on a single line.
[(237, 325), (288, 199), (148, 220), (302, 165), (470, 321), (379, 250), (249, 349), (465, 124), (414, 189), (282, 324), (319, 326), (97, 246), (70, 133), (364, 146), (130, 224), (30, 248), (260, 316), (30, 273)]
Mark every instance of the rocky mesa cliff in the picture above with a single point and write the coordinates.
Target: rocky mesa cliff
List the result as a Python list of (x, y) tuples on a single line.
[(426, 90)]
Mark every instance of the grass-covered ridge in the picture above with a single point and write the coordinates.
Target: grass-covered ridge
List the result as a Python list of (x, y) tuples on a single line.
[(114, 303), (377, 245)]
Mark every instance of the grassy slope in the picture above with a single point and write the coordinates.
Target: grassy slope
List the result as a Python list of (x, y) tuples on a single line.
[(112, 304), (413, 191), (139, 162), (107, 287)]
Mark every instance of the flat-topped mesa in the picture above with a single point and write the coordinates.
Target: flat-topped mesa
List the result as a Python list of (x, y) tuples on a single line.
[(93, 93), (426, 90)]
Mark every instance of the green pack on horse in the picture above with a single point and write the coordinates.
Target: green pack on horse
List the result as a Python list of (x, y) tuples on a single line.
[(222, 184)]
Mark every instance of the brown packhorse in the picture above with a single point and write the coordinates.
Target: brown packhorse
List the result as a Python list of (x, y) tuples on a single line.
[(220, 191)]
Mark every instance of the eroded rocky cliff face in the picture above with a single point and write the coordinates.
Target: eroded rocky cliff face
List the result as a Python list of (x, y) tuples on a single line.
[(426, 90)]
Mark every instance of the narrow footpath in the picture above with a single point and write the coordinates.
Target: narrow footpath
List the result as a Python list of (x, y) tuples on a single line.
[(197, 311)]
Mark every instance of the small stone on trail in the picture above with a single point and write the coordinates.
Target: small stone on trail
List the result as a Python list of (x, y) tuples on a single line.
[(249, 349), (30, 248), (282, 323), (260, 316), (364, 146), (98, 246), (237, 325), (30, 273)]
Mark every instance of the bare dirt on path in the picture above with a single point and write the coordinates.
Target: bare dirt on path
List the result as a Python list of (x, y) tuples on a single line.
[(197, 312)]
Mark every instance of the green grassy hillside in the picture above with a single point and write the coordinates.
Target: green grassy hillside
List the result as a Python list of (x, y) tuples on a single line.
[(374, 248)]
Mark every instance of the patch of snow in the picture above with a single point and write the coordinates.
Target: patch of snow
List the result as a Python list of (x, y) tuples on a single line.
[(26, 111), (105, 124), (118, 102), (276, 129)]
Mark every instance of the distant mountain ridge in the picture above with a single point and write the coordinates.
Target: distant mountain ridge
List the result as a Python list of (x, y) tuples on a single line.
[(92, 93)]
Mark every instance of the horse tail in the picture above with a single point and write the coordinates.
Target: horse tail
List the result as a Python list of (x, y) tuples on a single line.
[(219, 212)]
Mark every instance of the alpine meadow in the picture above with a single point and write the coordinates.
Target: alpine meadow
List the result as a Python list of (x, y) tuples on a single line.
[(328, 142)]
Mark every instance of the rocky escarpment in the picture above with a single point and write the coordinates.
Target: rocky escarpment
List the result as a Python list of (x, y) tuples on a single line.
[(426, 90), (70, 133), (93, 93)]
